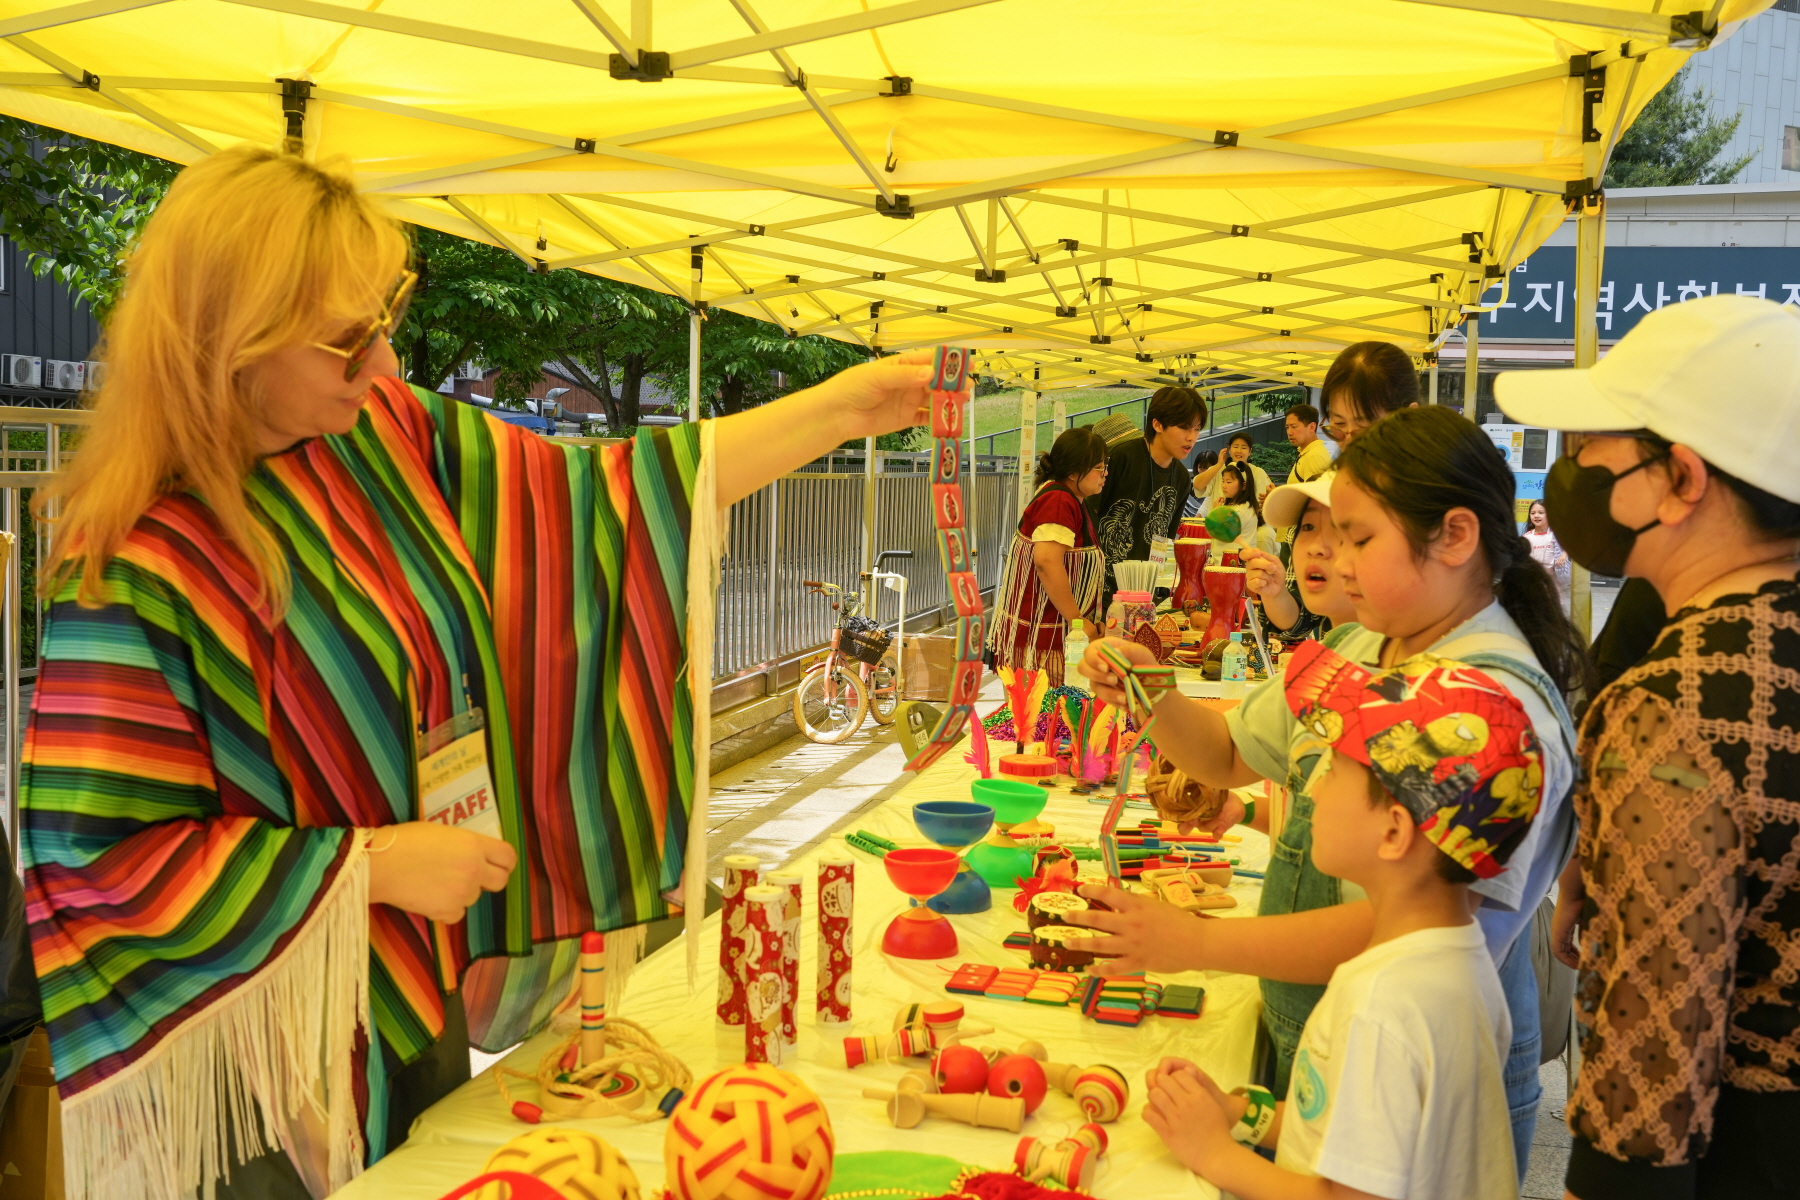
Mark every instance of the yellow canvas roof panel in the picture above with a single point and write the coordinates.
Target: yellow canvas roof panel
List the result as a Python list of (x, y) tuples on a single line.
[(1154, 189)]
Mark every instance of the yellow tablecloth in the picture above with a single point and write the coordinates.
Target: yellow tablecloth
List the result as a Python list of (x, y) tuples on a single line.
[(450, 1142)]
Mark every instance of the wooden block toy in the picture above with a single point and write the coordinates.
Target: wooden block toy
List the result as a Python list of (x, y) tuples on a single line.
[(947, 415), (947, 505), (965, 683), (966, 593), (972, 979), (953, 550), (950, 370), (971, 633), (1182, 1001), (946, 462)]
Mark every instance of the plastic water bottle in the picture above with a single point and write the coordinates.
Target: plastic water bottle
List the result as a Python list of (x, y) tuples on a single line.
[(1234, 668), (1075, 644)]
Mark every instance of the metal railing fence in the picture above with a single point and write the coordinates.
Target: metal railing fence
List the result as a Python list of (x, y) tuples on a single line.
[(811, 525), (32, 447)]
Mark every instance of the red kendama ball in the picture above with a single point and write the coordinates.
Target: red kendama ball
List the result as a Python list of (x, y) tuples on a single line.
[(960, 1069), (1018, 1075)]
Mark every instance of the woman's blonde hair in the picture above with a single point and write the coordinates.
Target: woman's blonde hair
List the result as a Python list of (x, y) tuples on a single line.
[(251, 251)]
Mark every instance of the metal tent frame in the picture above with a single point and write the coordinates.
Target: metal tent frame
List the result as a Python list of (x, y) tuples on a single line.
[(1069, 242)]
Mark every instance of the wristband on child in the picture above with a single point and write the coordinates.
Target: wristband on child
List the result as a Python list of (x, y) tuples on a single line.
[(1258, 1117), (1249, 813)]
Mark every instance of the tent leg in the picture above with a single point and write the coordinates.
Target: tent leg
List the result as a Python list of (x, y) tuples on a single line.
[(1434, 385), (1472, 367), (1590, 250), (868, 554), (1028, 401), (696, 269), (694, 366)]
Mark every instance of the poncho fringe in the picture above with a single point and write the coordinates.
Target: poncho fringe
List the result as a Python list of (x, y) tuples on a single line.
[(275, 1053)]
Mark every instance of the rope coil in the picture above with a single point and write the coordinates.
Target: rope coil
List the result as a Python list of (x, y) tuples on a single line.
[(615, 1086)]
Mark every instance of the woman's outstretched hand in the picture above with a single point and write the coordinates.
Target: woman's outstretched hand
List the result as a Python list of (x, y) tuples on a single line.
[(436, 870), (762, 444), (883, 395)]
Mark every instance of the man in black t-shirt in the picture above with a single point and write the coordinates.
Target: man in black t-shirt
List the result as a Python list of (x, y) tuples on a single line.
[(1147, 480)]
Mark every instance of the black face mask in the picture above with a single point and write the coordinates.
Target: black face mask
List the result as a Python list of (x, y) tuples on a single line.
[(1578, 503)]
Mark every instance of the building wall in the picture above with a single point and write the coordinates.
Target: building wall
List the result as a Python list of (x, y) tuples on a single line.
[(1756, 71), (40, 317), (1754, 214)]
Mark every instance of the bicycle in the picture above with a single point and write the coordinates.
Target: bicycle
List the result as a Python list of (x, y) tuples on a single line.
[(860, 674)]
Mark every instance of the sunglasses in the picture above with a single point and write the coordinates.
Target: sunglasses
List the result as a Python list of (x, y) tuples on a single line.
[(356, 355)]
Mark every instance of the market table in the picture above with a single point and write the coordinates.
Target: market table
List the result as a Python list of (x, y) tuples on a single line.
[(451, 1141)]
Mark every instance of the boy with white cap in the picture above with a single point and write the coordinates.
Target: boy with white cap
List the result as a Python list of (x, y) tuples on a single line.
[(1679, 468)]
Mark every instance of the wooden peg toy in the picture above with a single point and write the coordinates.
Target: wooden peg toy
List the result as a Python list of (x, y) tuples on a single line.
[(906, 1108)]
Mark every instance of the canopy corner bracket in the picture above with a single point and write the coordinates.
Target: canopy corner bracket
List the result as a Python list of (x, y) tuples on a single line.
[(900, 208), (652, 66)]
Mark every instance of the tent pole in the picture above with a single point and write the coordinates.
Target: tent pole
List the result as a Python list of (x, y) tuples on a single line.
[(1434, 381), (970, 493), (868, 554), (697, 265), (1472, 367), (1028, 442), (1590, 249)]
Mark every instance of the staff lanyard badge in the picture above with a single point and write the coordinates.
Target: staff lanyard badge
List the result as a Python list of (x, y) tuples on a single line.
[(455, 787)]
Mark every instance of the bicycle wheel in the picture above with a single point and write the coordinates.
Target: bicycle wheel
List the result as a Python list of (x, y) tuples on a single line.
[(883, 688), (829, 706)]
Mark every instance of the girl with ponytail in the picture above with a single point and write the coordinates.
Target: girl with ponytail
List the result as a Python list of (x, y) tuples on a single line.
[(1428, 554), (1054, 568)]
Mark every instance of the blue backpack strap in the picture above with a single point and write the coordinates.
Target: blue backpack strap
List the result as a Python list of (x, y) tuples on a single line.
[(1551, 695)]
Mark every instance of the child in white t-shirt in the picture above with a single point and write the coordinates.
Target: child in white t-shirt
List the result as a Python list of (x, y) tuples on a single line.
[(1428, 778)]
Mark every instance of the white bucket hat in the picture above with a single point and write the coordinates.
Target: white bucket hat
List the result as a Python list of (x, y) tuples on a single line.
[(1283, 505)]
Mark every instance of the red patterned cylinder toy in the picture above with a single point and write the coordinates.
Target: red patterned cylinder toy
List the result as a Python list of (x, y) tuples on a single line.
[(761, 968), (837, 902), (791, 883), (740, 873)]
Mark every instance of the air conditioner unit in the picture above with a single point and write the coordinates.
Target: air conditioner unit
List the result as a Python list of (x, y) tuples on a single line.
[(22, 370), (64, 376), (96, 374)]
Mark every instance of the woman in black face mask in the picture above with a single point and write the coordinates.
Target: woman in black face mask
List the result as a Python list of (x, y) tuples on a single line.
[(1687, 882)]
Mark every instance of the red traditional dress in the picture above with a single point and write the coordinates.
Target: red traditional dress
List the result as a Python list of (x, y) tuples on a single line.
[(1027, 631)]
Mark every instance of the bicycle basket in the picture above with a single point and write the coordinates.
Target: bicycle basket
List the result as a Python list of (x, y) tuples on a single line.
[(864, 640)]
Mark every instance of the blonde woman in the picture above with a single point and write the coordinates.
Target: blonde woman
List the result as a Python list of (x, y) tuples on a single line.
[(286, 588)]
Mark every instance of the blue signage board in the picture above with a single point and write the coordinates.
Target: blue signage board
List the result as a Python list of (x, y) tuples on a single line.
[(1540, 302)]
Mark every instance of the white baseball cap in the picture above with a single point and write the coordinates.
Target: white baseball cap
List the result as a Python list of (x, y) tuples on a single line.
[(1284, 505), (1720, 375)]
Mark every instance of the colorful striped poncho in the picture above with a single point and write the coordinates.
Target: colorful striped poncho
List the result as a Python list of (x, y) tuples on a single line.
[(199, 778)]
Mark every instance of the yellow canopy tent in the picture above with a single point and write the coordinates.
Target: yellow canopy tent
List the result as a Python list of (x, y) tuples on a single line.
[(1132, 191)]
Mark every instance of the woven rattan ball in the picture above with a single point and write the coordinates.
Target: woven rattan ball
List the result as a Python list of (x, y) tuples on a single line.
[(579, 1165), (749, 1132)]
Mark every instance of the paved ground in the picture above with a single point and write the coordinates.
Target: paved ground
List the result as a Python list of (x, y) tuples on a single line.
[(1550, 1149)]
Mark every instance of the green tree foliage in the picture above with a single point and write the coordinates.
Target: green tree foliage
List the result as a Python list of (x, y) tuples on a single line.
[(1675, 142), (476, 301), (74, 205), (745, 362), (1280, 400), (1277, 458)]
